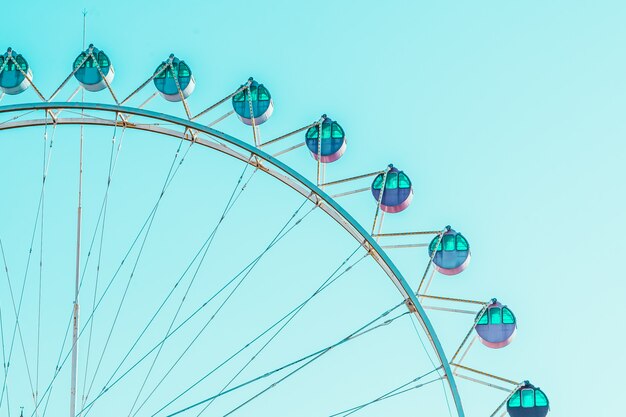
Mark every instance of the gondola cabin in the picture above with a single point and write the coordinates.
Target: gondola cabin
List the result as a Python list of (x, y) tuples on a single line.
[(12, 79), (452, 254), (326, 141), (497, 326), (528, 401), (93, 69), (174, 80), (255, 98), (397, 193)]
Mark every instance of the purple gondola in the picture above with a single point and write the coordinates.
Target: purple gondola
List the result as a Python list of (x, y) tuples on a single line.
[(497, 326), (453, 253), (333, 143), (528, 401), (398, 192)]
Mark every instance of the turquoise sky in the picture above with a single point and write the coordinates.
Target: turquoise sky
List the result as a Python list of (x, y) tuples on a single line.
[(507, 116)]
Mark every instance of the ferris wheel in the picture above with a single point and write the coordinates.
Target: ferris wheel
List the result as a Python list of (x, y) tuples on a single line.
[(126, 294)]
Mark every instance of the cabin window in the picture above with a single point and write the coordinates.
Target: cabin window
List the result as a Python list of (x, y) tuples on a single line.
[(449, 243), (161, 71), (103, 60), (326, 128), (378, 182), (79, 60), (264, 95), (507, 316), (431, 248), (461, 243), (484, 319), (337, 131), (404, 181), (515, 400), (239, 97), (392, 181), (495, 315), (540, 398), (528, 398), (183, 70)]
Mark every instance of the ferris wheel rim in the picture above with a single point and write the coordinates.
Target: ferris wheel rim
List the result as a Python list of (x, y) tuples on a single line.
[(283, 173)]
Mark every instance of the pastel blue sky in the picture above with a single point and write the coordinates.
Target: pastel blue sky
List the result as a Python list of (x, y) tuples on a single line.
[(507, 116)]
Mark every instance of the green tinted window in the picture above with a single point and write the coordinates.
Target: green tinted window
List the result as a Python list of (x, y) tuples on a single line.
[(448, 243), (540, 398), (254, 92), (240, 96), (461, 243), (337, 131), (162, 71), (528, 398), (484, 319), (433, 243), (183, 70), (392, 181), (378, 181), (21, 62), (79, 60), (326, 127), (507, 316), (264, 95), (312, 133), (404, 181), (103, 60), (515, 401), (495, 315)]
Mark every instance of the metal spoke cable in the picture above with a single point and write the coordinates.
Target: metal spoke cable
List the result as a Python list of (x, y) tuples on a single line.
[(296, 309), (284, 231), (224, 302), (308, 359), (331, 279), (171, 174), (229, 205), (395, 392), (17, 310), (176, 284), (443, 385), (102, 215), (136, 263)]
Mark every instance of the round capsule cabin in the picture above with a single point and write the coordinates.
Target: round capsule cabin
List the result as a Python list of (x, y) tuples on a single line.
[(453, 252), (528, 401), (253, 102), (13, 68), (93, 69), (497, 326), (397, 193), (174, 78), (333, 140)]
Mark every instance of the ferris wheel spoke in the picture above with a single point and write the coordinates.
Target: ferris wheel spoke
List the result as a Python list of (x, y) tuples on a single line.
[(244, 274), (287, 316), (102, 215), (234, 196), (169, 178), (304, 361), (402, 389), (173, 170), (241, 275), (290, 316), (17, 330)]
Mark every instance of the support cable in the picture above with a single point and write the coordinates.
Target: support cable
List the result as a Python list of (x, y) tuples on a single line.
[(389, 394), (293, 313), (17, 310), (283, 232), (170, 177), (132, 274), (306, 359), (230, 203)]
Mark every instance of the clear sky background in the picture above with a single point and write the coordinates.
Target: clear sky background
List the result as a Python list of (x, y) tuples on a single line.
[(507, 116)]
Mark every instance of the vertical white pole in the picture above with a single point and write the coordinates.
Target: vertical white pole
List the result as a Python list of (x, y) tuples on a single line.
[(77, 277)]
